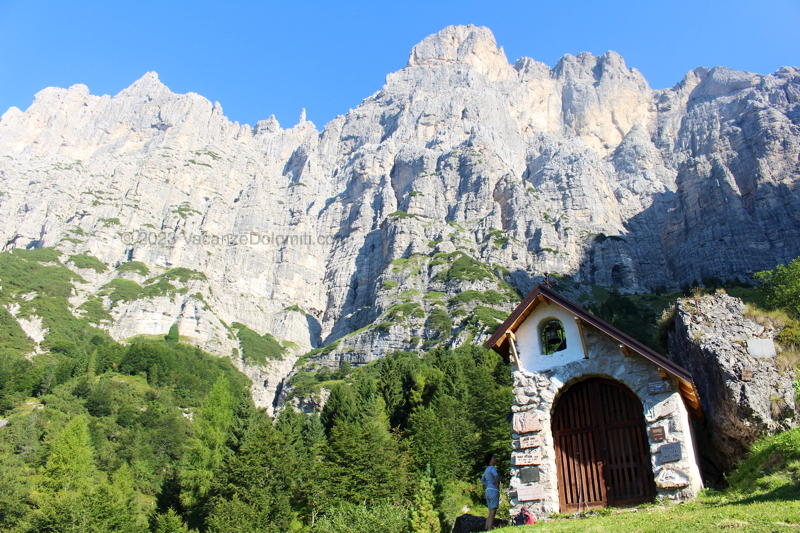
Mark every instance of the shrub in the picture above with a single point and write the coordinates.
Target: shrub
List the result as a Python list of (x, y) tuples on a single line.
[(385, 517), (782, 287)]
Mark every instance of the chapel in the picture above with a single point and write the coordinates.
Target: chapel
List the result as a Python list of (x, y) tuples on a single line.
[(599, 419)]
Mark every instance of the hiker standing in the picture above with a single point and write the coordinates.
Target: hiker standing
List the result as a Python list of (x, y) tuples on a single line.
[(491, 484)]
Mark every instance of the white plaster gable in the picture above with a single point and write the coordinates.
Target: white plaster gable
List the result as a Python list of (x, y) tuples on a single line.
[(529, 345)]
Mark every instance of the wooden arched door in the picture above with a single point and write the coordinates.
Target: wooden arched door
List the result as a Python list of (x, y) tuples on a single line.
[(602, 454)]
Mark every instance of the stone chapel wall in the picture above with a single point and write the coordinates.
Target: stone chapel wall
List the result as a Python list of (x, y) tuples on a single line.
[(673, 459)]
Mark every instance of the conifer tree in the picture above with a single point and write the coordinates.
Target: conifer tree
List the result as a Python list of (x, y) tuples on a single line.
[(74, 496), (342, 405), (363, 462), (170, 522), (70, 463), (207, 451), (254, 490), (423, 514)]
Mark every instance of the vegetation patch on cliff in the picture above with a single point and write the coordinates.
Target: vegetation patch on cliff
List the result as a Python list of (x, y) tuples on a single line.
[(257, 349), (87, 261), (135, 267)]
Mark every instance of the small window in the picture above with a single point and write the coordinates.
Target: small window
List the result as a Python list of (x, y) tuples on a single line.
[(552, 336)]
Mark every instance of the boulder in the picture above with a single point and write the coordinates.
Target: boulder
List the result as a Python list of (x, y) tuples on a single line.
[(745, 390)]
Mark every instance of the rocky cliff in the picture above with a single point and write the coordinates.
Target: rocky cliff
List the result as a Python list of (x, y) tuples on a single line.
[(746, 384), (417, 216)]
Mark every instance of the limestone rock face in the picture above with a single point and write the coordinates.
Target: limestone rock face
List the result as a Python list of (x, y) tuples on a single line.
[(464, 172), (745, 392)]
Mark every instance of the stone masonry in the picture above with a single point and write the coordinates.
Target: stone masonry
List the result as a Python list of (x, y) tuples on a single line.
[(673, 460)]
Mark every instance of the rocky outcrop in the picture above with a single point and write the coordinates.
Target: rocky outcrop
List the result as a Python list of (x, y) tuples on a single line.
[(317, 235), (745, 391)]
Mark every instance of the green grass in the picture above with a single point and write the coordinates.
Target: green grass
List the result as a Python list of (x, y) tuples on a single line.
[(409, 265), (709, 512), (21, 272), (773, 465), (42, 290), (257, 349), (409, 294), (307, 382), (87, 261), (322, 350), (499, 238), (137, 267)]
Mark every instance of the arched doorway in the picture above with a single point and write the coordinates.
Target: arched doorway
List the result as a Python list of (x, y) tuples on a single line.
[(602, 455)]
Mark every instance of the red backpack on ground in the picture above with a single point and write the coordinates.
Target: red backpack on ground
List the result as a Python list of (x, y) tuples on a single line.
[(524, 518)]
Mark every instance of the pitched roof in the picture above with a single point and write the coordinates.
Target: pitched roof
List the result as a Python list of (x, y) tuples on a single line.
[(499, 341)]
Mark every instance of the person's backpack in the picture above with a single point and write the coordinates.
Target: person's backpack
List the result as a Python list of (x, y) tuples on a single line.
[(524, 518)]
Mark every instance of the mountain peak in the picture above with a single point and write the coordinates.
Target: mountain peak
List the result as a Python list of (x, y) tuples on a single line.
[(147, 85), (474, 45)]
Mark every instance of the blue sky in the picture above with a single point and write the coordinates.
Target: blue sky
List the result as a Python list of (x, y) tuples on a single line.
[(262, 58)]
